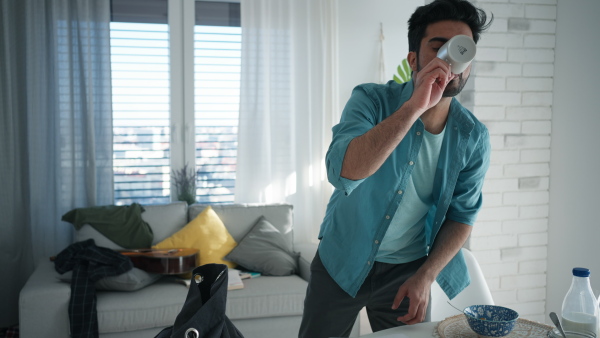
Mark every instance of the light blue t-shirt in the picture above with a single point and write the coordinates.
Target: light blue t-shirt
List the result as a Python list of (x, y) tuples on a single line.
[(404, 240)]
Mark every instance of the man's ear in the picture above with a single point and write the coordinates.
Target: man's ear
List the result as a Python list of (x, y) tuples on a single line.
[(412, 60)]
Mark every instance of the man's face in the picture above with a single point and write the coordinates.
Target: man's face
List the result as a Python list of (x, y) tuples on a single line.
[(435, 36)]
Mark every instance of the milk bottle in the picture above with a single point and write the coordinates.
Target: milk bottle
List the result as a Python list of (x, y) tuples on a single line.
[(580, 308)]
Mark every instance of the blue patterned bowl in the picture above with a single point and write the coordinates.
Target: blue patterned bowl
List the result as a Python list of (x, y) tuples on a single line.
[(491, 320)]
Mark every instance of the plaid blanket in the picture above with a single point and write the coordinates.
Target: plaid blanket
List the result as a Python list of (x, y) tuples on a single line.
[(89, 263)]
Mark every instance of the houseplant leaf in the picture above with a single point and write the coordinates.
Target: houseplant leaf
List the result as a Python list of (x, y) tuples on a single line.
[(404, 72)]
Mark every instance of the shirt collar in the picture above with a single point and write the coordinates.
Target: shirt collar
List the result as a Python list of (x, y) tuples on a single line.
[(407, 91), (460, 116)]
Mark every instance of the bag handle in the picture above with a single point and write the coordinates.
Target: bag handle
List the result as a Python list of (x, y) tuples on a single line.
[(193, 331)]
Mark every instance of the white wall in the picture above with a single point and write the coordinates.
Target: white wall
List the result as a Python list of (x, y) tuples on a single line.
[(574, 229), (513, 80), (359, 22)]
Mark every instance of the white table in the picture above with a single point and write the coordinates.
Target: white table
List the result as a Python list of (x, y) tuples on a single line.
[(426, 330), (421, 330)]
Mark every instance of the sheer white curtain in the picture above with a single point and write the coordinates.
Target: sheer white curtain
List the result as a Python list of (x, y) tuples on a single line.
[(55, 129), (288, 106)]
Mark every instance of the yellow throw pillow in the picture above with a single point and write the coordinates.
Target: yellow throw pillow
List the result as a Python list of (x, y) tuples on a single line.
[(208, 234)]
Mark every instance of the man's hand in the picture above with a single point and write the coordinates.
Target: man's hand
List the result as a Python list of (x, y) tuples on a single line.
[(417, 288), (430, 83), (449, 240)]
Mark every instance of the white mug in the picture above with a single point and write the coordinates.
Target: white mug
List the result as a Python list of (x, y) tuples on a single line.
[(458, 52)]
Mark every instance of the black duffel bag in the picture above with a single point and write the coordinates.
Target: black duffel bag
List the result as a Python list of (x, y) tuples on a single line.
[(203, 313)]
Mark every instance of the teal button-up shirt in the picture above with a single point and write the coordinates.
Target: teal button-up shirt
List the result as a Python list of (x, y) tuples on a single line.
[(359, 212)]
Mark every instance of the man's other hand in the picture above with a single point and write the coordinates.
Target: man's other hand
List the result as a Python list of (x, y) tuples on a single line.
[(417, 289)]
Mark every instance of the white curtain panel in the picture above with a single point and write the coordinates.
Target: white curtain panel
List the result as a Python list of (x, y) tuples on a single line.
[(55, 129), (288, 106)]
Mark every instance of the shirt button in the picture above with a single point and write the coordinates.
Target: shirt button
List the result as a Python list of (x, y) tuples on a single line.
[(387, 216), (418, 133), (368, 262), (399, 192), (376, 242), (411, 162)]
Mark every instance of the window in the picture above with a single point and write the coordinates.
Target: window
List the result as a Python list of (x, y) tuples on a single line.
[(152, 117), (141, 127)]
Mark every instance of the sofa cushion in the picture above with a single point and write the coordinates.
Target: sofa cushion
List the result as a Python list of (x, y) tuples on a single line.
[(159, 304), (164, 219), (264, 249), (87, 231), (240, 218), (131, 280), (154, 306), (206, 233), (267, 296)]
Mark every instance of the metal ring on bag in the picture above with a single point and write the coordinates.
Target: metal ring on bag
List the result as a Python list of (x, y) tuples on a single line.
[(198, 279), (192, 330)]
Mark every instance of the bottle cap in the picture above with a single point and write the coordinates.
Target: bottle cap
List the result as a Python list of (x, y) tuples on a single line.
[(581, 272)]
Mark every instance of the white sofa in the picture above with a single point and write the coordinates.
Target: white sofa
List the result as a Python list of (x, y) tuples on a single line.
[(266, 306)]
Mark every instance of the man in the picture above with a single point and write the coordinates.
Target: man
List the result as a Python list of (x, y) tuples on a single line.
[(408, 164)]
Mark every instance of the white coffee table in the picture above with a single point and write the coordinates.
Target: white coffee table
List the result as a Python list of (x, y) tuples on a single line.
[(421, 330)]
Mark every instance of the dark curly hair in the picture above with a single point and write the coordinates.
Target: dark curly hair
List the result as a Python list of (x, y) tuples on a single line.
[(440, 10)]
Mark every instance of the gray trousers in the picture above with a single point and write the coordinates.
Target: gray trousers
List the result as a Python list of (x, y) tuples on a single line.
[(330, 312)]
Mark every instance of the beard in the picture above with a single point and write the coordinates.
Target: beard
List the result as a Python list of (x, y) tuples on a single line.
[(454, 87)]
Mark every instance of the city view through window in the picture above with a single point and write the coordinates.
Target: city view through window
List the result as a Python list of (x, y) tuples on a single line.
[(141, 112)]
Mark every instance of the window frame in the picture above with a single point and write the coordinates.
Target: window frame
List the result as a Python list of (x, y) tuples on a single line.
[(181, 21)]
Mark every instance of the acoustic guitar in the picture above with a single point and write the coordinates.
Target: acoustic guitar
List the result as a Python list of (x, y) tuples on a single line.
[(163, 261)]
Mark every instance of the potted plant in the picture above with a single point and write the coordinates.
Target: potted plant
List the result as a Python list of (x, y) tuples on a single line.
[(185, 184)]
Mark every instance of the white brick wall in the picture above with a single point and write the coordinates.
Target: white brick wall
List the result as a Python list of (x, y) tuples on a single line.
[(513, 84)]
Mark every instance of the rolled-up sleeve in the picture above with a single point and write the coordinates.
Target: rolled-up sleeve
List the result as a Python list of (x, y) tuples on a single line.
[(358, 117), (467, 198)]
